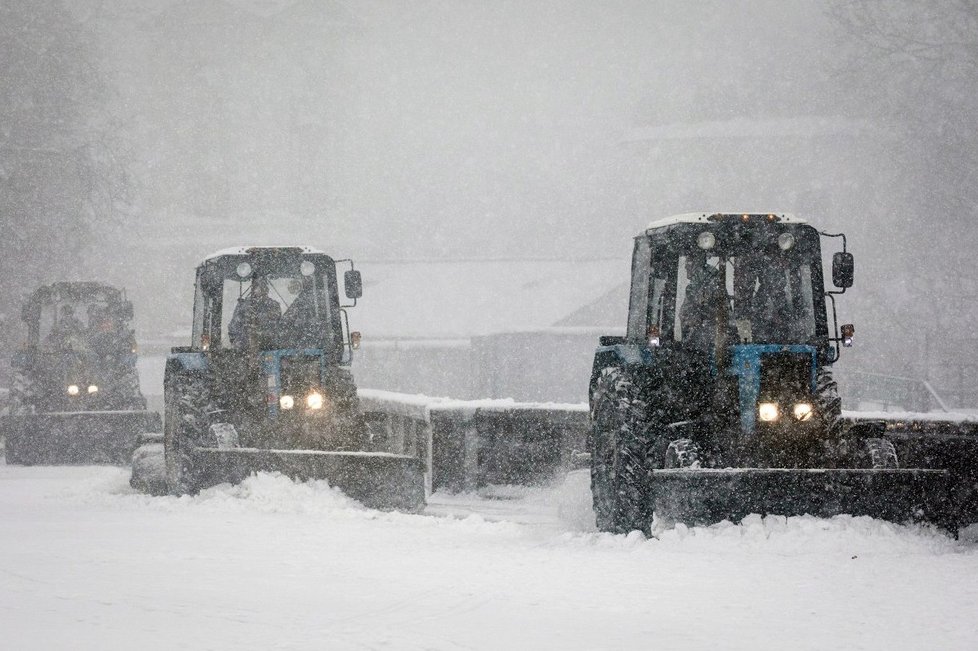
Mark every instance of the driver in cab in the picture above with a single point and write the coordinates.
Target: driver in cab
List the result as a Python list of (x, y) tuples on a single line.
[(256, 317)]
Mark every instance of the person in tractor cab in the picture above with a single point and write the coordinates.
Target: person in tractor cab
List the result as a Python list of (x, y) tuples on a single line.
[(773, 319), (256, 318), (68, 332), (703, 304), (302, 323), (104, 333)]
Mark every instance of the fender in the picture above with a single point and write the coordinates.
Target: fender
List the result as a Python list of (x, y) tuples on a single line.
[(186, 362), (638, 359)]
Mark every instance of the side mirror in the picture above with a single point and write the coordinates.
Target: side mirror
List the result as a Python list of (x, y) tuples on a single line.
[(125, 311), (353, 284), (842, 268)]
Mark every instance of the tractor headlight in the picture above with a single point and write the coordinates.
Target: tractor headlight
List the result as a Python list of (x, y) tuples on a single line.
[(314, 400), (768, 411), (73, 389), (286, 402), (92, 389), (803, 411), (786, 241), (706, 240)]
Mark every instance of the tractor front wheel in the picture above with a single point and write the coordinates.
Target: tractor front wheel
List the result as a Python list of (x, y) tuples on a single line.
[(619, 455), (682, 453)]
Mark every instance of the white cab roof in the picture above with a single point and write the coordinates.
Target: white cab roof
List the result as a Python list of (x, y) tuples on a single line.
[(703, 218), (243, 250)]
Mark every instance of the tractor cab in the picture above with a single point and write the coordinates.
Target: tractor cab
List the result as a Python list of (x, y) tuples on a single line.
[(708, 282), (272, 299)]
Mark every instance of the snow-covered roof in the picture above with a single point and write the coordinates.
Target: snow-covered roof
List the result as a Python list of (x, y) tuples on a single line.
[(444, 299), (449, 299), (704, 217), (245, 250)]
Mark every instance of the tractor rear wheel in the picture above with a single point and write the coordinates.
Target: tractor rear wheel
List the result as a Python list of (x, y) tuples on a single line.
[(184, 426), (619, 454), (20, 403)]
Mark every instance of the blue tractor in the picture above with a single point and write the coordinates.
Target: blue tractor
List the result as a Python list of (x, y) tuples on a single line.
[(75, 394), (719, 400), (266, 386)]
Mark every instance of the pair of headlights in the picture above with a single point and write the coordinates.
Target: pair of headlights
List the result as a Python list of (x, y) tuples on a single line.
[(769, 412), (707, 240), (314, 400), (74, 389)]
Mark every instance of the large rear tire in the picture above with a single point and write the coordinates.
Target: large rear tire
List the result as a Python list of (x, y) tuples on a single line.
[(13, 447), (22, 395), (185, 425), (17, 449), (619, 454)]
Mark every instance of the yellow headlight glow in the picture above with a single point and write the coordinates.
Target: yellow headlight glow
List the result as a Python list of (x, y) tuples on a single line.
[(768, 411), (73, 389), (286, 402), (803, 411), (93, 388), (314, 400)]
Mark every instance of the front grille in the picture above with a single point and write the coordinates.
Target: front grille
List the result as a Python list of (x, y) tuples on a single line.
[(300, 373), (786, 376)]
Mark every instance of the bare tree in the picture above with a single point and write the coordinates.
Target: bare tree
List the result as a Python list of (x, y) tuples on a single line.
[(58, 178), (915, 64)]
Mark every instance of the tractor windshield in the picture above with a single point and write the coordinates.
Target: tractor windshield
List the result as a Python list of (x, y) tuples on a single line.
[(726, 284), (280, 311), (755, 298), (76, 321)]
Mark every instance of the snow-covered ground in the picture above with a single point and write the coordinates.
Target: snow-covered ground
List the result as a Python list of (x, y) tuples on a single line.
[(85, 563)]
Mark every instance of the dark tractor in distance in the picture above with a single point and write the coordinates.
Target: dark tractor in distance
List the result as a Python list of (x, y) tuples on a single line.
[(265, 384), (75, 394), (718, 402)]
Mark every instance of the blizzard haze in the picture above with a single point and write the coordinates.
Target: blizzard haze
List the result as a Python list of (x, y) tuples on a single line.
[(487, 165), (438, 130)]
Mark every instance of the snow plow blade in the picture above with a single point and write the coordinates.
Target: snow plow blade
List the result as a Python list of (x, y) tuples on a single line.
[(707, 496), (378, 480), (81, 437)]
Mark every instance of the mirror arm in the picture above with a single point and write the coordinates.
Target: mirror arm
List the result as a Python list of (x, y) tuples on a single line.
[(842, 235), (835, 326)]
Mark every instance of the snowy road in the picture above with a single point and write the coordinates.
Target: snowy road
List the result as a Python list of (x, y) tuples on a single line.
[(87, 564)]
